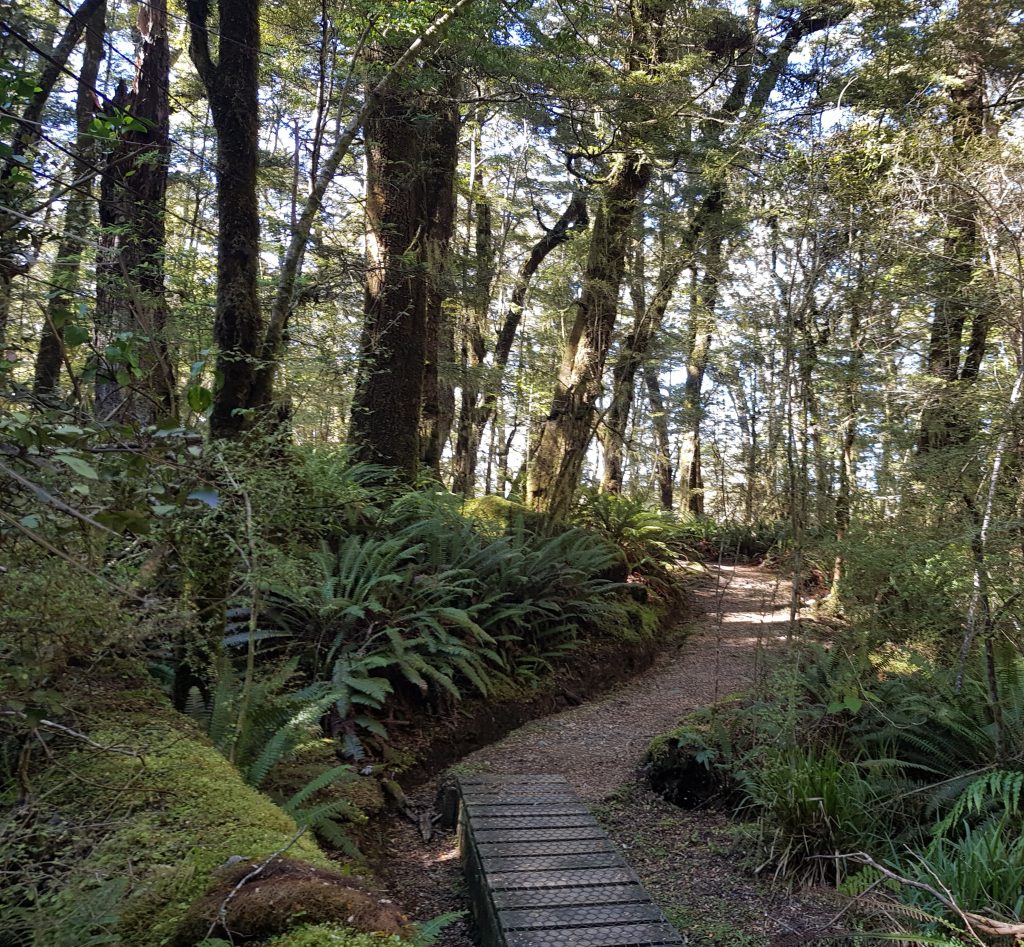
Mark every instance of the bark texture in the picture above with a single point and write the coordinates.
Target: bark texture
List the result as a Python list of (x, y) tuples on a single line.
[(411, 144), (647, 321), (134, 376), (232, 88), (442, 156), (563, 438)]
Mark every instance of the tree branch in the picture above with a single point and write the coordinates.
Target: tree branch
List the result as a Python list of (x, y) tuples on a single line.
[(198, 12)]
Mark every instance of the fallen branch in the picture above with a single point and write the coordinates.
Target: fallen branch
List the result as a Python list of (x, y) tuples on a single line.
[(46, 497), (975, 923), (69, 732)]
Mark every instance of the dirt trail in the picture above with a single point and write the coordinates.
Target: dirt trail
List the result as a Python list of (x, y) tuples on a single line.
[(598, 745), (741, 611)]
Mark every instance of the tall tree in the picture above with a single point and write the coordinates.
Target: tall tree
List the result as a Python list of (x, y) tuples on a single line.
[(135, 376), (442, 154), (647, 321), (478, 407), (958, 306), (410, 157), (322, 176), (563, 438), (77, 215), (232, 88), (29, 131)]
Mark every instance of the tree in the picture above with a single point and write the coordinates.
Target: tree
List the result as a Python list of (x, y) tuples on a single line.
[(411, 150), (232, 88), (562, 439), (135, 372), (77, 216), (27, 136)]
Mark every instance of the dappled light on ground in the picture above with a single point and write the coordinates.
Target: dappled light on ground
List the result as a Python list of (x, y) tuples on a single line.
[(742, 614)]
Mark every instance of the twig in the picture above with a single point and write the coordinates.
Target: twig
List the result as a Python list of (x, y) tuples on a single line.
[(68, 731), (973, 922), (53, 501), (50, 548), (222, 912)]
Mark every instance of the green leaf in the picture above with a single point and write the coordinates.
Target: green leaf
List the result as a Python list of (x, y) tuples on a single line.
[(75, 335), (199, 398), (81, 467), (120, 520)]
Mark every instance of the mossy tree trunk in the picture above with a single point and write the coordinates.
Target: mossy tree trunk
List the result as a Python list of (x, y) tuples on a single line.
[(563, 438), (957, 302), (647, 321), (411, 147), (441, 161), (136, 383), (662, 442)]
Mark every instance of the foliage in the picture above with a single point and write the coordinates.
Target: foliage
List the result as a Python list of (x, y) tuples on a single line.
[(419, 604), (259, 725), (650, 541), (325, 935), (813, 805), (903, 589), (842, 752)]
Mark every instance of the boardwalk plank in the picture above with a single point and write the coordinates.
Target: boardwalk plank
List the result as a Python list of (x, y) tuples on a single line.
[(542, 873)]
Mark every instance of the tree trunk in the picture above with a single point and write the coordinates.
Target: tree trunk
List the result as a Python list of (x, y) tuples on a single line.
[(442, 156), (469, 433), (60, 309), (565, 435), (663, 447), (29, 131), (573, 219), (135, 377), (409, 216), (702, 316), (232, 87), (945, 421), (635, 349), (272, 347)]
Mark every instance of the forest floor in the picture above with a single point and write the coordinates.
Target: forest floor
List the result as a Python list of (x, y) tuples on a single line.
[(695, 864)]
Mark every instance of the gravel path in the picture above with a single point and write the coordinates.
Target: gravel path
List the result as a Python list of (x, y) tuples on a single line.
[(598, 745), (741, 612)]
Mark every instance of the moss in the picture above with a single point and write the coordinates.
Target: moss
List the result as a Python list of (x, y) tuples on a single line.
[(283, 892), (162, 812), (681, 764), (331, 935), (496, 515)]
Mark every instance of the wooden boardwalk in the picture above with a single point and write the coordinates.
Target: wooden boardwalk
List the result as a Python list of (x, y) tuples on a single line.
[(542, 873)]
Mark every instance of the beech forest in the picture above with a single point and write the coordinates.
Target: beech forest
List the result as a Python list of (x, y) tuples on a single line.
[(406, 404)]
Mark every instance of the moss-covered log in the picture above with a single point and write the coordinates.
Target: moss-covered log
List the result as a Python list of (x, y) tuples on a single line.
[(157, 829)]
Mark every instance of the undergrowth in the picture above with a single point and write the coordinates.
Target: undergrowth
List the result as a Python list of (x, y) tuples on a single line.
[(849, 765), (296, 607)]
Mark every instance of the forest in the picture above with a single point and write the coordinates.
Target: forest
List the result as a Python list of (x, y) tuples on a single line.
[(622, 389)]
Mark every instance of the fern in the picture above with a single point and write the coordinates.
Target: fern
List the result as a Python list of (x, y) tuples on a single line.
[(427, 932), (1001, 789)]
